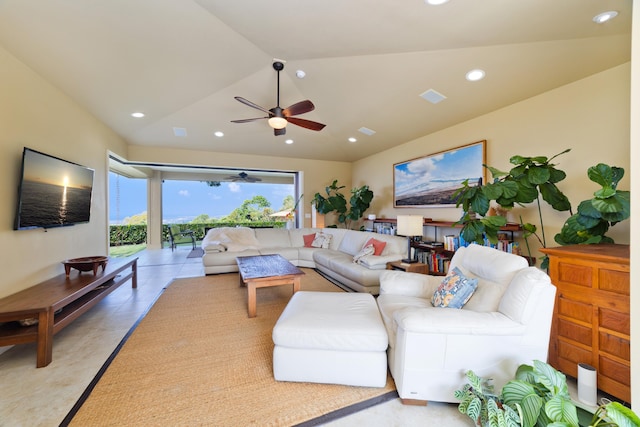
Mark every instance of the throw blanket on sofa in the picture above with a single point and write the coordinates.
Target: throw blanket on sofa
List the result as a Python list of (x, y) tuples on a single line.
[(231, 239)]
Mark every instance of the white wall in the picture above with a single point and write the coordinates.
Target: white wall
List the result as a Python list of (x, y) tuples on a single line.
[(35, 114), (590, 116)]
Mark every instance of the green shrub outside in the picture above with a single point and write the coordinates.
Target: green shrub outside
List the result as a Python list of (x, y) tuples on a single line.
[(137, 234)]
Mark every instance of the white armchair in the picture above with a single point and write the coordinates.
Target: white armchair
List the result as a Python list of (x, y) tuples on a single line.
[(506, 322)]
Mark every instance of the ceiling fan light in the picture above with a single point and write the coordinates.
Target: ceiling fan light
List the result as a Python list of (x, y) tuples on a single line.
[(277, 122)]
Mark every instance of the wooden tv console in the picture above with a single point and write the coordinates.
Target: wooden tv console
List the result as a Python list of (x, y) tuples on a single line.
[(56, 303)]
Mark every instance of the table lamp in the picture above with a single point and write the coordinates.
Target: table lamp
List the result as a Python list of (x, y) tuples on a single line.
[(410, 226)]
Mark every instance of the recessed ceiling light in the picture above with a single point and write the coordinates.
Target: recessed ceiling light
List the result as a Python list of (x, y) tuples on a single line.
[(475, 75), (137, 115), (218, 134), (289, 141), (435, 2), (300, 74), (352, 139), (605, 16)]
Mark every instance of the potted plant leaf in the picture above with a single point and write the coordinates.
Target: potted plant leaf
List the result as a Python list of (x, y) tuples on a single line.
[(539, 396), (530, 179), (483, 406), (595, 216)]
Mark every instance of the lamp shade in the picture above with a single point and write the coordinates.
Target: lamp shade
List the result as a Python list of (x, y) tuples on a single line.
[(410, 225)]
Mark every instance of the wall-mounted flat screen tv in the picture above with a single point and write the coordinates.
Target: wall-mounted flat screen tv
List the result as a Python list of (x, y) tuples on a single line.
[(53, 192)]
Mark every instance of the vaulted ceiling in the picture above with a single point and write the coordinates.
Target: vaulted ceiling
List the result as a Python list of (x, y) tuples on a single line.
[(181, 62)]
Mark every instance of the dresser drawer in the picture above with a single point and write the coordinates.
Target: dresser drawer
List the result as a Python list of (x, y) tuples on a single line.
[(574, 309), (615, 346), (614, 320), (575, 332), (581, 275)]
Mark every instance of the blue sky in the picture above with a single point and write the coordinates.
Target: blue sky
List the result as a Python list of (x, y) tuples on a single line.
[(184, 200)]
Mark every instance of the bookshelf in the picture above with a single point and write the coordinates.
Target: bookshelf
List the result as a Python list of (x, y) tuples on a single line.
[(437, 251)]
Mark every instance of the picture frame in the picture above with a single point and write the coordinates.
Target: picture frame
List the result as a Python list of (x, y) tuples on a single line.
[(430, 181)]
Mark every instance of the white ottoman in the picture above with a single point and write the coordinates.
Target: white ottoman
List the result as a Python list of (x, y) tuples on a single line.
[(331, 337)]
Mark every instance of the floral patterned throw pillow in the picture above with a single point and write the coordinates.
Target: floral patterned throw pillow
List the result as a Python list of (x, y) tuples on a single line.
[(454, 291)]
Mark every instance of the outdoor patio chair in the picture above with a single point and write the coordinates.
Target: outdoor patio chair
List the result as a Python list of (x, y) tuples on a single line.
[(176, 237)]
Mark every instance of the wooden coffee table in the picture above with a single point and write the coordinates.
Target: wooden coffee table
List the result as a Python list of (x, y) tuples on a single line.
[(261, 271)]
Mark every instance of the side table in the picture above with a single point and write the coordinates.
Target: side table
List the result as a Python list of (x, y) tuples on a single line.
[(414, 267)]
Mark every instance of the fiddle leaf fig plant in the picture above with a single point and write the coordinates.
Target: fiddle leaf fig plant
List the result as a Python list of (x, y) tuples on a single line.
[(530, 179), (335, 201), (595, 216)]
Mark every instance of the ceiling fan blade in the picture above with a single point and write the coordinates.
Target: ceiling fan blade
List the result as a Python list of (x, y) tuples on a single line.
[(248, 120), (282, 131), (298, 108), (251, 104), (308, 124)]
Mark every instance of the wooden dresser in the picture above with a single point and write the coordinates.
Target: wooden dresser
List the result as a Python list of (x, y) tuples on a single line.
[(591, 314)]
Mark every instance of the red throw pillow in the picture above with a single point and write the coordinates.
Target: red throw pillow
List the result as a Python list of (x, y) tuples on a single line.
[(308, 239), (378, 245)]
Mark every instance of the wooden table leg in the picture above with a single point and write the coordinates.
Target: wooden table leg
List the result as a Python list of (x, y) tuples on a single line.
[(296, 284), (251, 298), (45, 338)]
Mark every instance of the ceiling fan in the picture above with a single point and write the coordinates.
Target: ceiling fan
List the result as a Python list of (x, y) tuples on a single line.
[(243, 176), (279, 117)]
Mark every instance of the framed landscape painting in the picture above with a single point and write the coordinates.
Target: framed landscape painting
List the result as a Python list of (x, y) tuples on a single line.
[(430, 181)]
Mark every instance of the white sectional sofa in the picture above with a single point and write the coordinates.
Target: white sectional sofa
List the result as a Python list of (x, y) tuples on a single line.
[(222, 246)]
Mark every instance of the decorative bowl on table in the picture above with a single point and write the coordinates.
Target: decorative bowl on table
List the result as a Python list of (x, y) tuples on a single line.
[(89, 263)]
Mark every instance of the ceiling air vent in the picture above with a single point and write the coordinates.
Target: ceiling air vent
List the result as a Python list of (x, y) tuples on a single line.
[(366, 131), (180, 131), (433, 96)]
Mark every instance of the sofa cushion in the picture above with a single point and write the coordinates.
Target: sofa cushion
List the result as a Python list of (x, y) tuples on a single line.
[(353, 242), (273, 238), (290, 254), (331, 321), (414, 285), (308, 240), (394, 244), (525, 287), (454, 291), (296, 235), (388, 304), (494, 270), (234, 239), (338, 235), (226, 258), (378, 245)]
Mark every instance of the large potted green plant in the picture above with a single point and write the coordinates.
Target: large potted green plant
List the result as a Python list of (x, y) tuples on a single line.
[(530, 179), (335, 201), (595, 216)]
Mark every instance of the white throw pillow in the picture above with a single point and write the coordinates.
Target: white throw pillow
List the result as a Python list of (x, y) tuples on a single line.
[(322, 240)]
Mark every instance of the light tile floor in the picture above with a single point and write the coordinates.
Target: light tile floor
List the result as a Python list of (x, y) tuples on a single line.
[(42, 397)]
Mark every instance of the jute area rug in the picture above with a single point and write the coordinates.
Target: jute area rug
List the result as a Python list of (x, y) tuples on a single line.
[(197, 359)]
